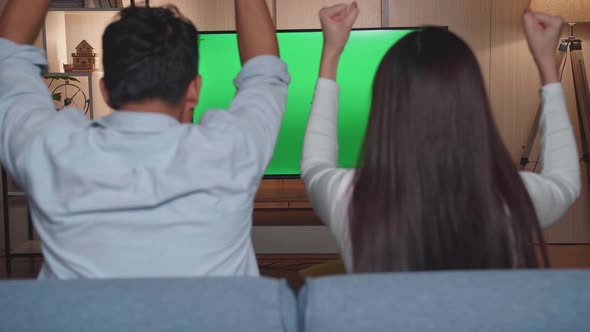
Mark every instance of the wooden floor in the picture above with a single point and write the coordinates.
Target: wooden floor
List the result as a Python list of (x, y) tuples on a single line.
[(295, 267)]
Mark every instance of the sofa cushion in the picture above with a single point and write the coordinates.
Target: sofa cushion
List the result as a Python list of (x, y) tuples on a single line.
[(208, 304), (535, 301)]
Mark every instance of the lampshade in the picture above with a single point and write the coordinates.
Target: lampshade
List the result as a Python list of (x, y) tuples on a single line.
[(572, 11)]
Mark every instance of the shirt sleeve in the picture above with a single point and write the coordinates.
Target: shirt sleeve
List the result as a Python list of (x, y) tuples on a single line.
[(558, 185), (327, 185), (25, 102), (257, 109)]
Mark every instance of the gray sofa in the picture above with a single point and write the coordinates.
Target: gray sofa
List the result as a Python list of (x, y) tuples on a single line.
[(223, 304), (444, 301), (486, 301)]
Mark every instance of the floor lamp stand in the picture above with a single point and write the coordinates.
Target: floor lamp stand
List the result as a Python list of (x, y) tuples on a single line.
[(582, 91)]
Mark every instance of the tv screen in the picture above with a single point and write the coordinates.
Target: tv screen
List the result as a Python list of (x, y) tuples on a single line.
[(301, 50)]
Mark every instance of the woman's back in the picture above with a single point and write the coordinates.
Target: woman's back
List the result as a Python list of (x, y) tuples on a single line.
[(435, 188)]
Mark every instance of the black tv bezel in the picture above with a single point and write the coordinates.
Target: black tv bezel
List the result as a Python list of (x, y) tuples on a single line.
[(214, 32), (219, 32)]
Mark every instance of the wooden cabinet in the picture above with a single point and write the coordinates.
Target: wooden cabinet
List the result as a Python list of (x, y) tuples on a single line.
[(210, 15), (303, 14), (470, 19)]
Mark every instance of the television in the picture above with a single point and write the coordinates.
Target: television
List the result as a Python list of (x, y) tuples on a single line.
[(301, 50)]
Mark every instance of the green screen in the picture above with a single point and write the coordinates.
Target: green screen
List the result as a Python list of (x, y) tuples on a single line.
[(301, 51)]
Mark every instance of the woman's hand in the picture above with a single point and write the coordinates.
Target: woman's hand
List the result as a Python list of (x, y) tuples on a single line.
[(543, 33), (337, 22)]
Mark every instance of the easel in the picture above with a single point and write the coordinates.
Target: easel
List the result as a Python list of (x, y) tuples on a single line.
[(574, 45)]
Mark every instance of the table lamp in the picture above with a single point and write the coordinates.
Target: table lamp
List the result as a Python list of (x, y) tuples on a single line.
[(572, 11)]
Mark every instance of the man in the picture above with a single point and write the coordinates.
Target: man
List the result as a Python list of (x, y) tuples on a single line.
[(142, 192)]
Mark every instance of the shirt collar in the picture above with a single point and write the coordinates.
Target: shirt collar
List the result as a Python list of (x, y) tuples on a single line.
[(136, 121)]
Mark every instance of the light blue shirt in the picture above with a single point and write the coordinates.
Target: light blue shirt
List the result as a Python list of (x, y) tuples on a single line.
[(139, 194)]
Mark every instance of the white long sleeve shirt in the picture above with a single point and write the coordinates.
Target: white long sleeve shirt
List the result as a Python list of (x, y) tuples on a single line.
[(552, 191), (139, 194)]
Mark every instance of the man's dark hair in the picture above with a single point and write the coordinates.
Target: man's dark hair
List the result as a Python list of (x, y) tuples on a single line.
[(149, 54)]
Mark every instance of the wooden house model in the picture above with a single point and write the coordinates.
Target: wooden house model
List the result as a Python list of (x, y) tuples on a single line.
[(84, 60)]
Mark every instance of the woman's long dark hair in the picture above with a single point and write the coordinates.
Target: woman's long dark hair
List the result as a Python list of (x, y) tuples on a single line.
[(436, 188)]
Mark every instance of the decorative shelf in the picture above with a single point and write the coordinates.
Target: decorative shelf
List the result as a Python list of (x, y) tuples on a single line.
[(88, 5), (84, 10)]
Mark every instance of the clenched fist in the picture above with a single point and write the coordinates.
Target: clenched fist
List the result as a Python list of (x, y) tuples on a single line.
[(337, 21), (543, 33)]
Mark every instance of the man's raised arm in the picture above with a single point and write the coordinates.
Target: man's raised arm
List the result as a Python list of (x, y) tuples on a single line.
[(258, 106), (256, 31), (21, 21), (25, 103)]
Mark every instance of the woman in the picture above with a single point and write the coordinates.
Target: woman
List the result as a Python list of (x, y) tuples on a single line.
[(436, 188)]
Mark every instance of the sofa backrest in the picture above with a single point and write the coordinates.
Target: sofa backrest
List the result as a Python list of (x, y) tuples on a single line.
[(443, 301), (535, 301), (215, 304)]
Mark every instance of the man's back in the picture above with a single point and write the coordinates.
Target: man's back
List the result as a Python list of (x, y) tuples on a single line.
[(138, 193)]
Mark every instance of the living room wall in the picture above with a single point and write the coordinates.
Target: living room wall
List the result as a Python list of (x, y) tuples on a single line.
[(491, 27)]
